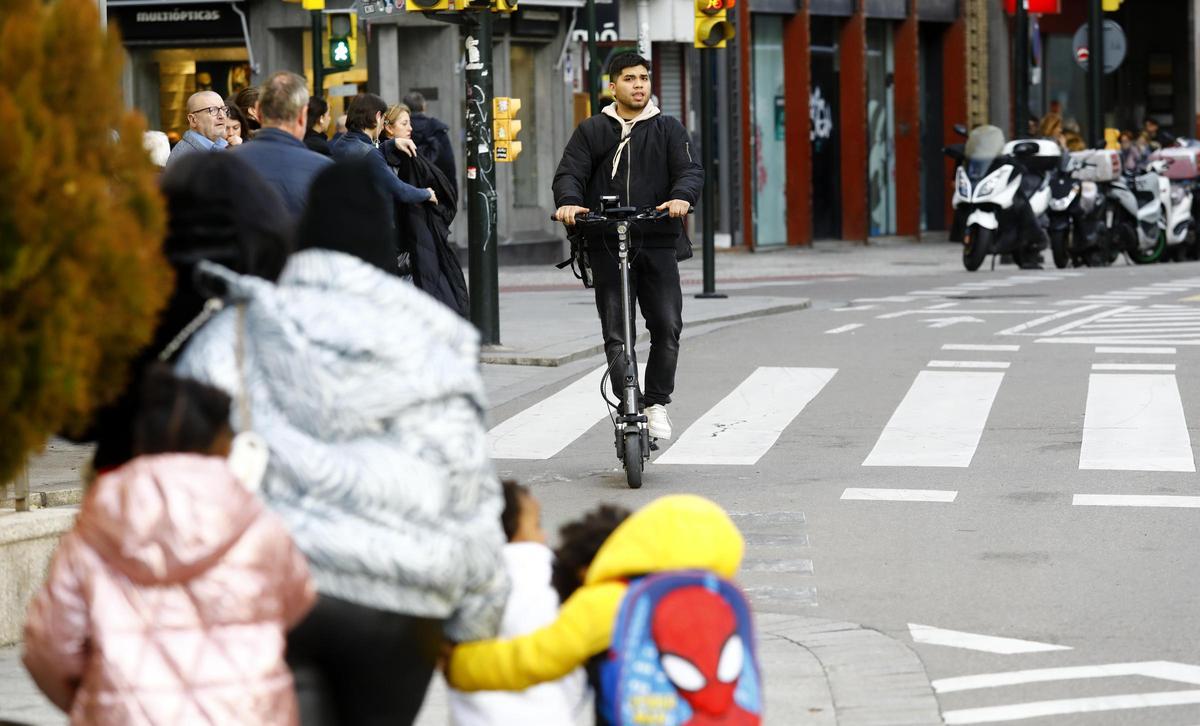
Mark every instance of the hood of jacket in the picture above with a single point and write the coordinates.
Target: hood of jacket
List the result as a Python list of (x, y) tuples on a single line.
[(678, 532), (167, 518)]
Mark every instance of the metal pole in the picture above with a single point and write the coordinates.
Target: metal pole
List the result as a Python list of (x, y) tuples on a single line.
[(318, 63), (708, 150), (1021, 72), (481, 181), (1096, 72), (593, 59)]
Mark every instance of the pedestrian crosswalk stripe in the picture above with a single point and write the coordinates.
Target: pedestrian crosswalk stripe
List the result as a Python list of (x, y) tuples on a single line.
[(984, 348), (929, 635), (1133, 366), (1135, 423), (1094, 704), (939, 422), (746, 424), (548, 427), (843, 329), (1159, 669), (967, 364), (1134, 350), (899, 495), (1136, 500)]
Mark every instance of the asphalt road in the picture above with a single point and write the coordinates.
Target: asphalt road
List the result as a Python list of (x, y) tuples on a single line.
[(1027, 494)]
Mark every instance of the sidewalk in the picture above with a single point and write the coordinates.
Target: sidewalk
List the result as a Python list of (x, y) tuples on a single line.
[(816, 672)]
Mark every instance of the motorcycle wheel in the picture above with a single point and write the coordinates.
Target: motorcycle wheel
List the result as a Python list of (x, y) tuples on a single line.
[(976, 247), (1058, 248), (634, 463), (1146, 257)]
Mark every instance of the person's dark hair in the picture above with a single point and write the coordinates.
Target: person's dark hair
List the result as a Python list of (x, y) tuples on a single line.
[(245, 100), (621, 61), (511, 516), (579, 541), (317, 107), (283, 96), (361, 114), (347, 212), (236, 114), (415, 101), (178, 415)]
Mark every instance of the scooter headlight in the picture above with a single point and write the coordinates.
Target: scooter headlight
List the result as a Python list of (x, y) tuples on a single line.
[(986, 189), (964, 184)]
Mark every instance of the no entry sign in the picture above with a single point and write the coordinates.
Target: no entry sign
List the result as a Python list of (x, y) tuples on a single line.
[(1114, 46), (1034, 6)]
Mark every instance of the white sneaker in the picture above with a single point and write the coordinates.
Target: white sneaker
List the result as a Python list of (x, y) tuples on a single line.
[(658, 422)]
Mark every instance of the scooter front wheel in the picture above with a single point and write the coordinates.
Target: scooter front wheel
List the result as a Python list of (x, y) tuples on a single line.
[(634, 463), (1058, 248), (976, 247)]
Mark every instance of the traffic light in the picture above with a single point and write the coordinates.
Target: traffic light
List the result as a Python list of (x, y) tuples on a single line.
[(426, 6), (341, 40), (504, 6), (1111, 6), (312, 4), (505, 128), (712, 26)]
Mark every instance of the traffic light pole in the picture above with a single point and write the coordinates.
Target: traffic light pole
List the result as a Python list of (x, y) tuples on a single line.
[(708, 153), (318, 62), (1021, 72), (1096, 72), (481, 180), (593, 59)]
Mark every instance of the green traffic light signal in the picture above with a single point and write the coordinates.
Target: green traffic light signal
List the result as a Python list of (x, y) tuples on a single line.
[(339, 53)]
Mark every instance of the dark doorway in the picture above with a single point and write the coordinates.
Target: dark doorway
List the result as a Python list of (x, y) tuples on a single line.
[(823, 108), (933, 189)]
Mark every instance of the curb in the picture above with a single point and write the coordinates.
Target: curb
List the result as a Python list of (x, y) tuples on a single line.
[(67, 494), (503, 356)]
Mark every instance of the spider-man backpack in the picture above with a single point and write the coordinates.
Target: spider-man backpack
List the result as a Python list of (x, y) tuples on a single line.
[(682, 654)]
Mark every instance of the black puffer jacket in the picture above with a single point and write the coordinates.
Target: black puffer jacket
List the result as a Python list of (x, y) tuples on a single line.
[(657, 165)]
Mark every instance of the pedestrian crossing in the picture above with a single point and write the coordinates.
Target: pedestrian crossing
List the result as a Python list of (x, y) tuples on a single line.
[(1132, 416)]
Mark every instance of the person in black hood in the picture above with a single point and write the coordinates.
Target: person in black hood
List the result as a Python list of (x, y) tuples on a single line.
[(432, 137), (631, 150)]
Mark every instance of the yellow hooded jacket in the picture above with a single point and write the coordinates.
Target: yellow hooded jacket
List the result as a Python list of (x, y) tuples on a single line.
[(679, 532)]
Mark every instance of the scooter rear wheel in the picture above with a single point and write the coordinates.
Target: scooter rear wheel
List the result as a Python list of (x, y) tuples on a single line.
[(976, 247), (1147, 256), (634, 462)]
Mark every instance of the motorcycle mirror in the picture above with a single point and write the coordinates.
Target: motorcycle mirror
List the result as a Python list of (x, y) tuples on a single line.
[(960, 129)]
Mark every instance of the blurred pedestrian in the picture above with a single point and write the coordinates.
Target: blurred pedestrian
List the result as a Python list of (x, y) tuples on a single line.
[(218, 208), (235, 126), (1073, 136), (532, 604), (370, 399), (169, 600), (206, 115), (423, 230), (1050, 127), (363, 123), (340, 128), (277, 151), (387, 132), (318, 123), (432, 137), (247, 101)]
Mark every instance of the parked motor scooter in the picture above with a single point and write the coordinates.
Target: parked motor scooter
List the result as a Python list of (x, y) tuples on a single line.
[(992, 193), (1182, 171), (1091, 240), (1137, 213)]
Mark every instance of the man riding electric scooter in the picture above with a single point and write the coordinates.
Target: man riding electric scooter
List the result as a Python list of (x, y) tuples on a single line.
[(633, 152)]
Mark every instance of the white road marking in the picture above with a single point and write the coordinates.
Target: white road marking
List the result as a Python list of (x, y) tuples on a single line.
[(1134, 350), (967, 364), (947, 322), (854, 308), (1133, 366), (1102, 340), (939, 422), (549, 426), (892, 298), (1135, 423), (1084, 321), (1136, 500), (974, 641), (746, 424), (900, 495), (1095, 704), (1017, 329), (989, 348), (844, 329), (941, 306), (1161, 669)]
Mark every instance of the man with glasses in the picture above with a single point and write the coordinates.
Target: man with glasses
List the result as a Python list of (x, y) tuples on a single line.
[(206, 121)]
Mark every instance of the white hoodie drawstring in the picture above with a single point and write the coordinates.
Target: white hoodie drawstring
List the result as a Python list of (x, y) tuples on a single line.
[(650, 111)]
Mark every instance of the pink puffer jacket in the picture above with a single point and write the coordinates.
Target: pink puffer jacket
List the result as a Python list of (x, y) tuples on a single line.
[(169, 602)]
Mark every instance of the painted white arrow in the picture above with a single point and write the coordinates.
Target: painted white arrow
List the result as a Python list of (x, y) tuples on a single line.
[(974, 641), (947, 322)]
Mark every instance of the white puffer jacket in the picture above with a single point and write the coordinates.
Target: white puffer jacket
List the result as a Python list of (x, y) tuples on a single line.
[(369, 395)]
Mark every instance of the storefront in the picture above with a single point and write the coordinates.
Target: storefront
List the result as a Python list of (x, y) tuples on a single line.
[(177, 48)]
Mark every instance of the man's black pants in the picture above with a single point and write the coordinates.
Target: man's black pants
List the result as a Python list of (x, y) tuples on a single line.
[(654, 284)]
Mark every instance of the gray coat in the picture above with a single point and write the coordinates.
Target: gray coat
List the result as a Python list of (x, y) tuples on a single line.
[(369, 395)]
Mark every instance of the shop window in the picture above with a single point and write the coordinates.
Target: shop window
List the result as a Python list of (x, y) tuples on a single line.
[(770, 145), (523, 72)]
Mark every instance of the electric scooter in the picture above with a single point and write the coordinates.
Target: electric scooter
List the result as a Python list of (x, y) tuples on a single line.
[(630, 429)]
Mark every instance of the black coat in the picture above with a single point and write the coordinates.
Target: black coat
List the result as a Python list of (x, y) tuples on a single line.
[(424, 231), (432, 138), (317, 142), (657, 165)]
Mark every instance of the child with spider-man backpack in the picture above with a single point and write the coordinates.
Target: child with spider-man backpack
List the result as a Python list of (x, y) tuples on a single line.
[(666, 638)]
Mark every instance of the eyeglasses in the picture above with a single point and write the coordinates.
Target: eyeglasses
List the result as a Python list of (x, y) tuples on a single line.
[(214, 111)]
